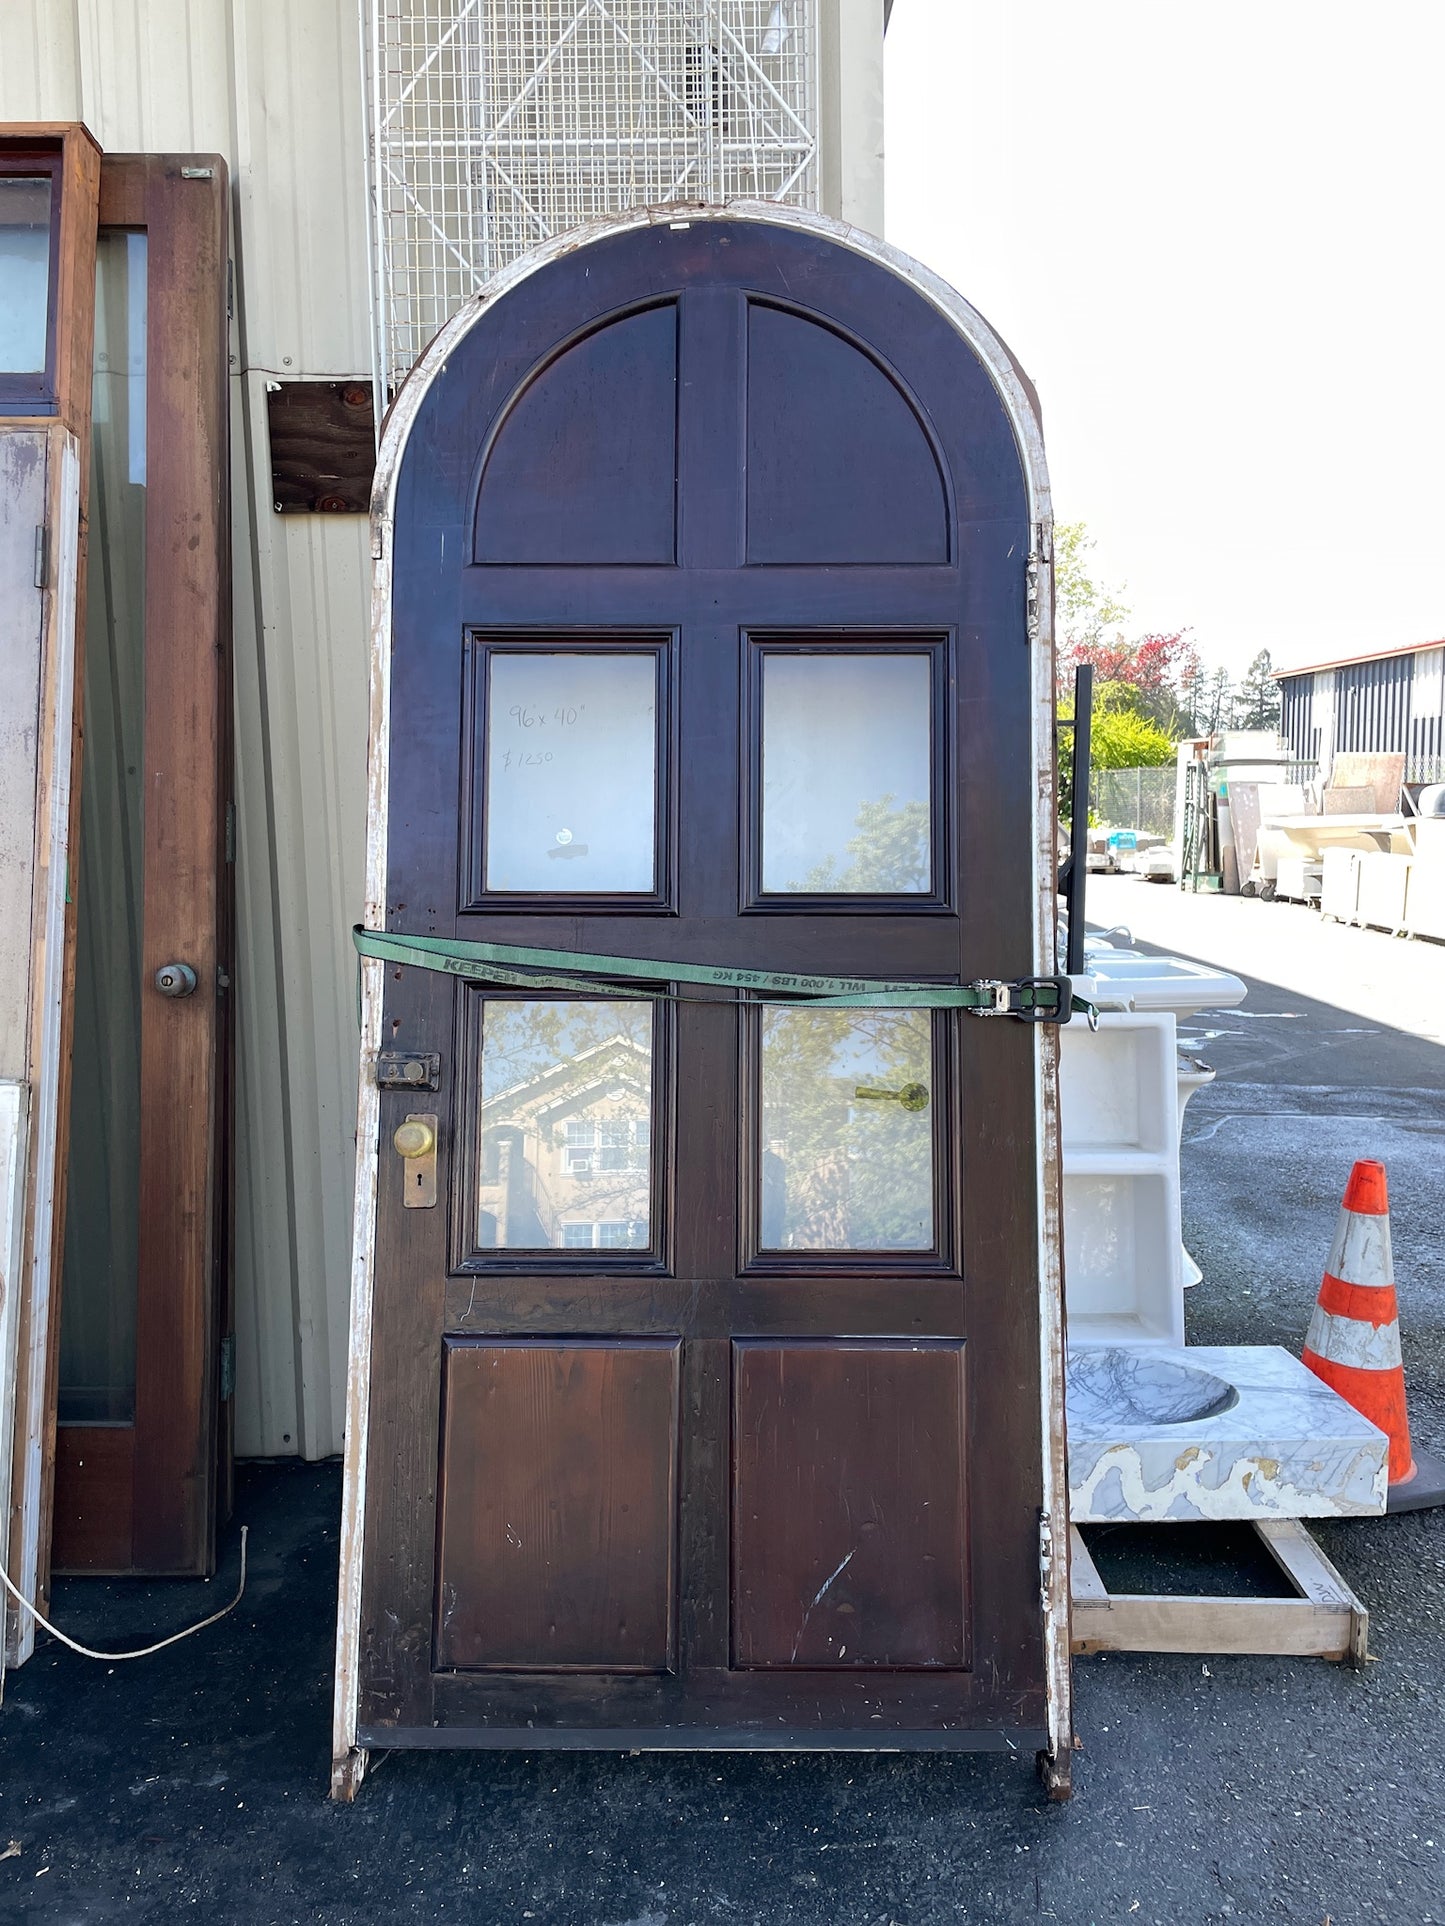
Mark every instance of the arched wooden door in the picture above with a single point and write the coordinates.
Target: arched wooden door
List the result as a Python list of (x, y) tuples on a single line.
[(705, 1406)]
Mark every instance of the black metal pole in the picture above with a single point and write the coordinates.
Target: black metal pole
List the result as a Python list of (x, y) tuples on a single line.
[(1079, 827)]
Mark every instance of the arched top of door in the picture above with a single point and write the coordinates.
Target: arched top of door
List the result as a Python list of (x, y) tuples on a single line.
[(544, 415)]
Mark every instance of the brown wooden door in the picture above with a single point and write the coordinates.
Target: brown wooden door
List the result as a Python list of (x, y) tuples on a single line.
[(143, 1438), (704, 1406)]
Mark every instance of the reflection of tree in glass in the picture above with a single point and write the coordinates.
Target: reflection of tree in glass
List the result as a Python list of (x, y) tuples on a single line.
[(842, 1172), (889, 854)]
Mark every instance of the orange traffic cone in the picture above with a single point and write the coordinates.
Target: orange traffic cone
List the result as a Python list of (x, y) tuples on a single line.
[(1353, 1342)]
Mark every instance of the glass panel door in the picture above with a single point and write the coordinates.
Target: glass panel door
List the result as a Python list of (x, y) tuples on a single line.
[(99, 1292)]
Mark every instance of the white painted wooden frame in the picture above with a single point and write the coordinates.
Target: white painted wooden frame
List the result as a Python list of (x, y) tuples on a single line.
[(27, 1325), (349, 1760)]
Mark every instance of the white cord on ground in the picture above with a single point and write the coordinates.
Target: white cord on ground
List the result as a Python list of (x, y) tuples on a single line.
[(146, 1650)]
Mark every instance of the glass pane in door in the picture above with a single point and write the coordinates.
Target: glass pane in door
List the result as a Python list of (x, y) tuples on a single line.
[(847, 773), (571, 772), (565, 1153), (102, 1218), (24, 271), (846, 1150)]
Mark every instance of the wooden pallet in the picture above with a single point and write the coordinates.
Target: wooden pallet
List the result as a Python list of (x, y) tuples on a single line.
[(1322, 1618)]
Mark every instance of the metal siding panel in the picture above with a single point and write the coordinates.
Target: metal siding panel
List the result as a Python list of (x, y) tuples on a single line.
[(1296, 715), (40, 71), (301, 750), (301, 184)]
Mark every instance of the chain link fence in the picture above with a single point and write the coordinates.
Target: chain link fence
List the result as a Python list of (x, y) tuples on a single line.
[(1134, 799)]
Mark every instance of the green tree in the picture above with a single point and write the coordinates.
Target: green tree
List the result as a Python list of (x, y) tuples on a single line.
[(1258, 701), (1123, 739), (890, 852), (1120, 737), (1084, 612)]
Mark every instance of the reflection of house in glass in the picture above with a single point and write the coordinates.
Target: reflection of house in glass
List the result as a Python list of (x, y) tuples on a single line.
[(566, 1127)]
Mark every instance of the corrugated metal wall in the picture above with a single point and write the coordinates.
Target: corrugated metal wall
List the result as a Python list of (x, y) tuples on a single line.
[(1427, 718), (1372, 706), (274, 86), (1296, 716), (1391, 705)]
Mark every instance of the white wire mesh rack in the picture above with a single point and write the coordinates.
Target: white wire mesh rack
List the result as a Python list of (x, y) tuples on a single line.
[(494, 124)]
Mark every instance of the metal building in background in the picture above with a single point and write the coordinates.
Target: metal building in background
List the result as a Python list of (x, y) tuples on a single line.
[(495, 124), (1374, 703)]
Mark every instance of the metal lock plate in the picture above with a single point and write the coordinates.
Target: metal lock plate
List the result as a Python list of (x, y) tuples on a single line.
[(415, 1143), (409, 1070)]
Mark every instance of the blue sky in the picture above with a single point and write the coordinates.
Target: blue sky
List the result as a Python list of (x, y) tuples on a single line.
[(1212, 234)]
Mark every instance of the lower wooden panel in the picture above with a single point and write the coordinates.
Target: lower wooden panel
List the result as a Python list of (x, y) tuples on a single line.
[(721, 1705), (94, 1485), (558, 1506), (848, 1504)]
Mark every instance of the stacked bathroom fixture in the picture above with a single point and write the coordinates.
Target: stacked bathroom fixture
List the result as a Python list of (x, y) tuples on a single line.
[(1156, 1430)]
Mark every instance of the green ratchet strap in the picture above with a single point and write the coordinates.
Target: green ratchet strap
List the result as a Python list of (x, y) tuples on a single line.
[(1032, 999)]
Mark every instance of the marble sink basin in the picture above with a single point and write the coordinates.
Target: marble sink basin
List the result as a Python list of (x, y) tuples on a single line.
[(1115, 1386), (1171, 1432)]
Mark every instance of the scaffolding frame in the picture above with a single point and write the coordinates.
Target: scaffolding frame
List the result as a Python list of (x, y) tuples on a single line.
[(493, 125)]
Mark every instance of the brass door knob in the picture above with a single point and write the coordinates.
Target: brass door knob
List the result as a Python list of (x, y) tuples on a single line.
[(414, 1138), (911, 1096)]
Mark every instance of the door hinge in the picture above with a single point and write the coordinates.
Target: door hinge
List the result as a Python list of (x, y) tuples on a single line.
[(42, 570), (1046, 1556), (1041, 556), (228, 1366)]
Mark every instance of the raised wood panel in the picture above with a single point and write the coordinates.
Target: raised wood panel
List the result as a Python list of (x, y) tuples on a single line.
[(94, 1498), (839, 467), (583, 466), (558, 1507), (848, 1505)]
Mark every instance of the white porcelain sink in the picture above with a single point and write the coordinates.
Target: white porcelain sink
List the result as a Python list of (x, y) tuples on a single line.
[(1161, 983)]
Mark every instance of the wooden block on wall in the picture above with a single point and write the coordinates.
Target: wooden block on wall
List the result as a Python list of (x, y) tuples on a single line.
[(323, 446)]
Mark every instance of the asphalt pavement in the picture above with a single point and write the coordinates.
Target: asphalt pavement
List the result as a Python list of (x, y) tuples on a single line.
[(1237, 1790)]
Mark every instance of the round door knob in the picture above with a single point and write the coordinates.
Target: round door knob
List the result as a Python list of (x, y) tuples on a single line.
[(175, 979), (414, 1138)]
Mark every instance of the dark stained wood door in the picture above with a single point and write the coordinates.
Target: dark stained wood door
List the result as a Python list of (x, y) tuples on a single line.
[(142, 1444), (704, 1406)]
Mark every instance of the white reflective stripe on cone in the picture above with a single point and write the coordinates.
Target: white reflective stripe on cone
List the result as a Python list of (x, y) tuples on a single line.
[(1360, 1253), (1353, 1341)]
